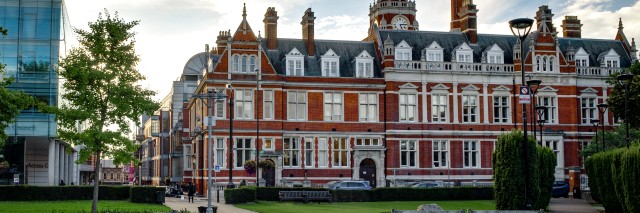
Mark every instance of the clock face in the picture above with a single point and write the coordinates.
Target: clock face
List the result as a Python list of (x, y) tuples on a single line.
[(400, 23)]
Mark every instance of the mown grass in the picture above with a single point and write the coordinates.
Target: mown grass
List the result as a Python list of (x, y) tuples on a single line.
[(79, 206), (350, 207)]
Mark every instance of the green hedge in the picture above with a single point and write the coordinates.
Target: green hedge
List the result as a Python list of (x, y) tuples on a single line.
[(240, 195), (271, 193), (52, 193), (613, 178)]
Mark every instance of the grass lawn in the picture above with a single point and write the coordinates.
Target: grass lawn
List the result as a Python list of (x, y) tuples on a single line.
[(78, 206), (374, 207)]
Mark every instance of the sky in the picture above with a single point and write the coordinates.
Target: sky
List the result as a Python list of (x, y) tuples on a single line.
[(172, 31)]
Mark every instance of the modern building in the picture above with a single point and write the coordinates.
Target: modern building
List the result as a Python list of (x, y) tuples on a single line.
[(38, 33)]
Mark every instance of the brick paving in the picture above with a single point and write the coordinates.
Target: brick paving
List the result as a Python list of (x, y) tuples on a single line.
[(567, 205), (179, 204)]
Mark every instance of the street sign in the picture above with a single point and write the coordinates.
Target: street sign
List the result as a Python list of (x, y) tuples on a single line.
[(525, 95), (210, 120), (16, 180), (216, 168)]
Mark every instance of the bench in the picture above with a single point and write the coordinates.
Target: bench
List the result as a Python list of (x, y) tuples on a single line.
[(305, 196)]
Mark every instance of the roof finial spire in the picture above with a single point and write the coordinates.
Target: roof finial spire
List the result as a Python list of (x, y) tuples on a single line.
[(244, 11), (620, 27)]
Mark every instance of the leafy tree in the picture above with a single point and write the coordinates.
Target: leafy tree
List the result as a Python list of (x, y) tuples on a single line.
[(616, 100), (102, 93), (11, 102), (615, 139)]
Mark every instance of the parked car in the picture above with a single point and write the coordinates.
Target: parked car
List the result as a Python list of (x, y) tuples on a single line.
[(560, 189), (426, 185), (351, 185)]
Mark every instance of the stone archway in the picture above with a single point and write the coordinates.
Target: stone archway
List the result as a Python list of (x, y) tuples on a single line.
[(269, 175), (368, 171)]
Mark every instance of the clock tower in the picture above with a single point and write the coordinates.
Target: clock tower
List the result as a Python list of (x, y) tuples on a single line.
[(393, 15)]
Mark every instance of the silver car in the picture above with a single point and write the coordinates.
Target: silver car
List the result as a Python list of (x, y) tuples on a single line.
[(351, 185)]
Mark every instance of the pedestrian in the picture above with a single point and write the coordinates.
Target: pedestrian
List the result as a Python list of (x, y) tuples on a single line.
[(62, 183), (191, 190)]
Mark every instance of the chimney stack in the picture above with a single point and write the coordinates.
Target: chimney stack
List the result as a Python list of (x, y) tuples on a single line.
[(468, 20), (455, 18), (571, 27), (222, 40), (271, 27), (544, 15), (307, 31)]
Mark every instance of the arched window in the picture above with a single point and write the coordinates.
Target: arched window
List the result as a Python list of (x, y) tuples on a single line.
[(544, 63), (244, 64), (551, 59), (538, 63), (236, 61), (252, 64)]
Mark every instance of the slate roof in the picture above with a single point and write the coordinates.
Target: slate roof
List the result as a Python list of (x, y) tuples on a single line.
[(596, 47), (347, 50)]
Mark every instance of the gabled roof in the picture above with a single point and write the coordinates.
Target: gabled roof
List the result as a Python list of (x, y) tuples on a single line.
[(347, 50), (595, 47)]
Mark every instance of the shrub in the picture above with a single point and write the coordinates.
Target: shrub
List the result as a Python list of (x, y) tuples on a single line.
[(351, 195), (28, 193), (240, 195), (631, 188), (144, 194), (600, 173), (547, 164), (271, 193)]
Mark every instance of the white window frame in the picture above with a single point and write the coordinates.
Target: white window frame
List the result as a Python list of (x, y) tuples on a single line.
[(437, 106), (582, 58), (293, 151), (309, 153), (235, 63), (470, 112), (554, 145), (546, 63), (464, 54), (368, 141), (583, 144), (588, 109), (500, 102), (299, 116), (440, 150), (340, 151), (406, 108), (323, 153), (611, 59), (243, 105), (330, 63), (272, 143), (368, 107), (364, 65), (243, 63), (551, 102), (403, 52), (495, 55), (408, 153), (471, 154), (220, 146), (220, 108), (333, 106), (187, 156), (242, 152), (434, 52), (295, 63), (268, 111)]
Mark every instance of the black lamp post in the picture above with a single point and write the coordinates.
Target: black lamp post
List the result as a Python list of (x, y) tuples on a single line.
[(230, 185), (193, 168), (602, 108), (595, 123), (540, 110), (624, 80), (257, 123), (520, 28), (533, 85)]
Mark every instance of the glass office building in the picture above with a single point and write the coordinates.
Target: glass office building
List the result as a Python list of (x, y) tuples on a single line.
[(38, 33)]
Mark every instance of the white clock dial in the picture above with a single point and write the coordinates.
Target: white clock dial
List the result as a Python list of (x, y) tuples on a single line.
[(400, 23)]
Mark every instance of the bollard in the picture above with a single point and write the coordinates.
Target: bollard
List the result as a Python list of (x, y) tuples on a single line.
[(218, 195)]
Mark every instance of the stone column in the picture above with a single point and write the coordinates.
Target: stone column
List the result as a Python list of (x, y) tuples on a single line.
[(51, 163), (485, 106), (425, 115), (455, 103)]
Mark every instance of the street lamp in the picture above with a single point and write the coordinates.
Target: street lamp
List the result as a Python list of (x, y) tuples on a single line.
[(540, 111), (230, 185), (624, 80), (596, 123), (193, 168), (534, 85), (520, 28), (602, 108), (257, 123)]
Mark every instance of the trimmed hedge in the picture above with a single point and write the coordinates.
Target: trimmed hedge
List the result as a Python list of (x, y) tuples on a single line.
[(271, 193), (240, 195), (613, 178), (53, 193)]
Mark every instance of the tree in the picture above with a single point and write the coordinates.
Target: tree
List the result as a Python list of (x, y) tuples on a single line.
[(102, 93), (11, 102), (616, 100), (615, 139)]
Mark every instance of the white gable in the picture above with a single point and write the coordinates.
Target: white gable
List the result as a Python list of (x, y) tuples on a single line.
[(440, 87), (294, 52), (496, 48), (582, 52), (364, 54), (589, 91), (612, 53), (330, 53), (470, 87), (434, 45), (408, 86), (404, 45), (464, 46)]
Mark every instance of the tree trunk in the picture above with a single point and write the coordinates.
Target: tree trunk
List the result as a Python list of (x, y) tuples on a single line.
[(96, 175)]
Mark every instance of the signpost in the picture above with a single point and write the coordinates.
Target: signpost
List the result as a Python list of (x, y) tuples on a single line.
[(525, 95)]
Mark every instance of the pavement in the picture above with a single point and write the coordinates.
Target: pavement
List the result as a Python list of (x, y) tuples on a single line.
[(180, 204), (568, 205)]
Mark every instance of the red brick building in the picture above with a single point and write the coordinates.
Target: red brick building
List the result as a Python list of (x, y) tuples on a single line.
[(401, 105)]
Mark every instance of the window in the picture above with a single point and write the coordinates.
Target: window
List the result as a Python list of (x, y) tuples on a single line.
[(243, 104), (268, 105), (434, 56), (296, 105), (469, 109), (494, 55), (268, 144), (332, 106), (583, 145), (471, 154), (236, 63), (330, 68), (340, 152), (439, 108), (551, 104), (501, 109), (545, 63), (291, 152), (368, 107), (408, 153), (243, 67), (364, 65), (308, 152), (219, 108), (440, 154), (252, 64), (464, 58), (408, 107), (368, 142), (403, 52), (433, 52), (243, 63), (187, 157), (322, 152), (611, 59), (243, 149), (553, 145), (295, 63), (588, 109), (582, 58)]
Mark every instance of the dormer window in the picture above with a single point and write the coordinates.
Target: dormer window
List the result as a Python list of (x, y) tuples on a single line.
[(495, 55), (364, 65), (330, 64), (403, 52), (434, 52), (295, 63), (582, 58), (464, 53), (243, 63), (610, 59)]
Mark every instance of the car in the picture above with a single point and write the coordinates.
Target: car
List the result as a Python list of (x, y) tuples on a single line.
[(426, 185), (560, 189), (351, 185)]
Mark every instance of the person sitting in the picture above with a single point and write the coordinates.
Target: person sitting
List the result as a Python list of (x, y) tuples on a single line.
[(62, 183)]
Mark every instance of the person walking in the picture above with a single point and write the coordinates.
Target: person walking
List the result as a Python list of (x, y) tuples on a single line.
[(190, 191)]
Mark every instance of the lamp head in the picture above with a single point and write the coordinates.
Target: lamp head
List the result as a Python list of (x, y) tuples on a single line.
[(595, 121), (534, 82), (624, 79), (540, 110), (602, 107), (541, 122), (522, 26)]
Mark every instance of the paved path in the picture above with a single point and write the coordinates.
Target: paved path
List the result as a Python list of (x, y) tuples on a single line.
[(567, 205), (178, 204)]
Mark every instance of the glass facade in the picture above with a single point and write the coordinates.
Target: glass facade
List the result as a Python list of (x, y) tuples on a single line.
[(37, 38)]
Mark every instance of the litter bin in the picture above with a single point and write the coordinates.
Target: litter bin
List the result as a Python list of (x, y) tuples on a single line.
[(203, 209), (159, 197)]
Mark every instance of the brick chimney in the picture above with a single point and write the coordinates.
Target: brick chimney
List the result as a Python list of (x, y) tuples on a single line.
[(222, 40), (307, 31), (271, 27), (468, 20), (455, 18), (544, 15), (571, 27)]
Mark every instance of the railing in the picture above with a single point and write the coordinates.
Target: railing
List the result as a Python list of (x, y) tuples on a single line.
[(449, 66), (597, 71)]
